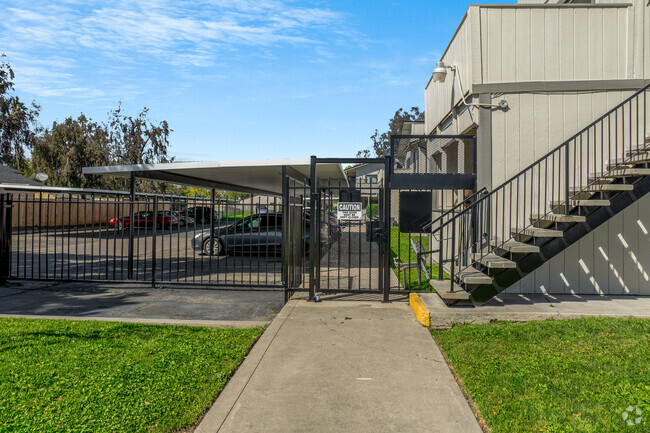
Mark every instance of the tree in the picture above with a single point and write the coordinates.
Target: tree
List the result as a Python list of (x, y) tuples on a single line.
[(62, 151), (18, 121), (136, 139), (235, 196), (381, 142), (194, 191)]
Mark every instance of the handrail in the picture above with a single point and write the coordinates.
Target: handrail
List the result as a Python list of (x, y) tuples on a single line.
[(456, 206), (549, 183)]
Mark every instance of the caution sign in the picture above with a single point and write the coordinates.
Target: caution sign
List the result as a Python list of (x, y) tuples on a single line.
[(349, 211)]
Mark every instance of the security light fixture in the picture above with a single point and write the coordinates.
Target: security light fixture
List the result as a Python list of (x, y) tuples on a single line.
[(440, 75)]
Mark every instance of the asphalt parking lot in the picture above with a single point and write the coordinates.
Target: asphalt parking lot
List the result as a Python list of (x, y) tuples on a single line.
[(140, 303), (101, 253)]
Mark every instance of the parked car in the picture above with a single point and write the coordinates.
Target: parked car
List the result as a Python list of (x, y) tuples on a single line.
[(201, 214), (144, 219), (183, 220), (262, 232)]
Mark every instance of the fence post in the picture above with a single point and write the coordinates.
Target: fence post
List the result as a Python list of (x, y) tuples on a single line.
[(131, 219), (5, 237), (386, 238), (212, 199), (313, 229), (285, 233), (153, 240)]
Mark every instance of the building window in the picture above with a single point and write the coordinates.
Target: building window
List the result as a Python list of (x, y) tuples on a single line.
[(371, 178)]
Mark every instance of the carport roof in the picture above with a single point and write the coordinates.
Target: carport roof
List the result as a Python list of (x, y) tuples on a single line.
[(257, 177)]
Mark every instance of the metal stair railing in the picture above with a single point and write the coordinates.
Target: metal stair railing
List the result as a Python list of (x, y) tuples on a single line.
[(546, 186)]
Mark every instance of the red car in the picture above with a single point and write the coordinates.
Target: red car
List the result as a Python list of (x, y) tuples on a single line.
[(144, 219)]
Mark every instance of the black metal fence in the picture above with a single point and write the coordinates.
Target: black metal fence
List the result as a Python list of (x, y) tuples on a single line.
[(107, 236), (433, 178), (296, 234)]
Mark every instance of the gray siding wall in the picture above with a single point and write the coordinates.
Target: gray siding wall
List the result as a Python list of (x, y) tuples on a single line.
[(614, 259), (538, 123), (555, 43)]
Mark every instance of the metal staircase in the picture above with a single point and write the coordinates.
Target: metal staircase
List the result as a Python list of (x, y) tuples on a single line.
[(493, 241)]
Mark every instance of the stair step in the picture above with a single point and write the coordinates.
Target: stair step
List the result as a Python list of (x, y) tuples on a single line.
[(443, 289), (622, 172), (639, 158), (536, 232), (629, 172), (492, 261), (559, 218), (619, 166), (515, 247), (640, 151), (576, 203), (601, 180), (474, 276), (634, 160), (604, 187)]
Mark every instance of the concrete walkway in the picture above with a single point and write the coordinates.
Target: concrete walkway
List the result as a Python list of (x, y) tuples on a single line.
[(347, 364)]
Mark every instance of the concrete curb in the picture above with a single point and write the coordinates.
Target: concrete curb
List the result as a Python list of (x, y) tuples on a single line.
[(179, 322), (443, 316), (217, 414), (420, 309)]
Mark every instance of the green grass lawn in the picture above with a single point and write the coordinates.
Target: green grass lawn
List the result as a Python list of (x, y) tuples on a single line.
[(554, 376), (234, 216), (87, 376), (400, 246)]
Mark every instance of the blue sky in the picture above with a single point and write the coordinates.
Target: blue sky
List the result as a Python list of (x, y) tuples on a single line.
[(235, 79)]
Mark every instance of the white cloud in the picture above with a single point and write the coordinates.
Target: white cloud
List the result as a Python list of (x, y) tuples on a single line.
[(48, 40)]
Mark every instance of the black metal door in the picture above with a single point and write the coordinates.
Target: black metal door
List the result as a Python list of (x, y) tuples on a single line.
[(349, 229)]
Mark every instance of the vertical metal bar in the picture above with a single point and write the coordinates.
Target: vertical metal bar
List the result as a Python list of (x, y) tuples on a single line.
[(326, 210), (372, 238), (385, 238), (193, 237), (131, 219), (250, 245), (40, 231), (212, 198), (171, 236), (566, 178), (5, 237), (92, 230), (313, 228), (25, 241), (175, 210), (284, 254), (453, 253), (153, 243), (33, 234), (47, 241), (115, 215), (18, 240)]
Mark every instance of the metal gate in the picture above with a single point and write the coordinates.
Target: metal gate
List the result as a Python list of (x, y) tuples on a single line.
[(433, 178), (349, 224)]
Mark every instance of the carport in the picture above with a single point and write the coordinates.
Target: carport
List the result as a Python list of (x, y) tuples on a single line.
[(262, 177), (288, 180)]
